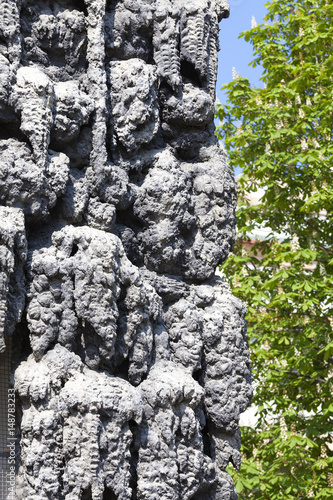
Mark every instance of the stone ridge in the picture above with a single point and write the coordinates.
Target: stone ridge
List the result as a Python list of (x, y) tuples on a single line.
[(131, 364)]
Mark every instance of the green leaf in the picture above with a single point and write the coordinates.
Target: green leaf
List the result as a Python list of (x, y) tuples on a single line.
[(239, 486)]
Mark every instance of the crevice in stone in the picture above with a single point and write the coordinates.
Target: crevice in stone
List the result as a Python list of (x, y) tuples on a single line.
[(21, 347), (86, 494), (122, 369), (231, 461), (207, 443), (198, 375), (109, 494), (189, 72), (10, 129), (74, 251), (206, 492)]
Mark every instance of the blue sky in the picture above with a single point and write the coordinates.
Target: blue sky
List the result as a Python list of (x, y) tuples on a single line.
[(234, 52)]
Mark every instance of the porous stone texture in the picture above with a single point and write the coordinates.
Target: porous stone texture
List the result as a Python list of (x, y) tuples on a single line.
[(131, 364), (13, 254)]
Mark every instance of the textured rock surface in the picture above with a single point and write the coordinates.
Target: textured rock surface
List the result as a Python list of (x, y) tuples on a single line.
[(13, 254), (131, 364)]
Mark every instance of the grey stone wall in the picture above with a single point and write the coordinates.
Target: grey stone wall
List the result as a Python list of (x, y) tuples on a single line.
[(131, 364)]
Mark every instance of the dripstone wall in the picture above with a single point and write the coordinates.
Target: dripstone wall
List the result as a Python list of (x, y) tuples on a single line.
[(131, 365)]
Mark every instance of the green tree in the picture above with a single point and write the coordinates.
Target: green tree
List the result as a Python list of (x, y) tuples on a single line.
[(281, 136)]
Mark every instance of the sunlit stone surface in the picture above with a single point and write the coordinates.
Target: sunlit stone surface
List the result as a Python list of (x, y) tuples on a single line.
[(130, 356)]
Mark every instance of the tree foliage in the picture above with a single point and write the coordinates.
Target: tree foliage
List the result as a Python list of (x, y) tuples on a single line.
[(281, 136)]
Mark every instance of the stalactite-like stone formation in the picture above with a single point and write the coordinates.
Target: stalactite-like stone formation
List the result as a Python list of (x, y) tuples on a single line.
[(117, 204)]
